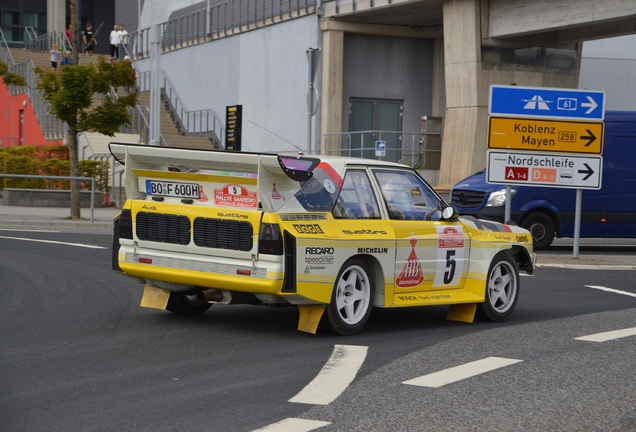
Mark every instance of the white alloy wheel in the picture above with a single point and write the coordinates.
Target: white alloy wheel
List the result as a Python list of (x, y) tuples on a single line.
[(502, 290)]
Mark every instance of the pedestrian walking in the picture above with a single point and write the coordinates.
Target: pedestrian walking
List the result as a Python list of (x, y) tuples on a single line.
[(123, 40), (69, 36), (54, 57), (89, 40), (114, 42)]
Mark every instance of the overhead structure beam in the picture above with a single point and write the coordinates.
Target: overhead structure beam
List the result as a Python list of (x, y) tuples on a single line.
[(514, 18)]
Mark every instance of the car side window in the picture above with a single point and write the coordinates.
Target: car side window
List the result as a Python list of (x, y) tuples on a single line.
[(356, 199), (407, 196)]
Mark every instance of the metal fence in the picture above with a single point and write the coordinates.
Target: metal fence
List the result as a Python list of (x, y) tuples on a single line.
[(404, 147), (220, 20), (91, 179)]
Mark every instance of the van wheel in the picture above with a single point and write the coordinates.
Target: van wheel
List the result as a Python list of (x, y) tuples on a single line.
[(351, 300), (187, 303), (542, 229), (502, 289)]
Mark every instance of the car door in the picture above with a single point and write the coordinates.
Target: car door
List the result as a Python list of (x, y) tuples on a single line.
[(430, 254)]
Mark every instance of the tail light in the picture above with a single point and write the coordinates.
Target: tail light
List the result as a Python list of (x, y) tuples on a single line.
[(270, 241), (125, 225)]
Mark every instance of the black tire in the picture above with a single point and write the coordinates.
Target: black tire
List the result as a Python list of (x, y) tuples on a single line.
[(187, 303), (542, 229), (351, 300), (502, 288)]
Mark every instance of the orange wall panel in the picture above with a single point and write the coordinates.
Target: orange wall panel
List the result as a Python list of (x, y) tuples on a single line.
[(10, 113)]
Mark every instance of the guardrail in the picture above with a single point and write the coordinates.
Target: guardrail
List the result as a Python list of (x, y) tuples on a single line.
[(91, 179), (405, 147)]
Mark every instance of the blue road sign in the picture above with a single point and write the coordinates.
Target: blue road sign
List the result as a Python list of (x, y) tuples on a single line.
[(547, 103)]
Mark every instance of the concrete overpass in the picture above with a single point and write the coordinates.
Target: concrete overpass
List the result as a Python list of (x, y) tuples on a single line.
[(477, 43)]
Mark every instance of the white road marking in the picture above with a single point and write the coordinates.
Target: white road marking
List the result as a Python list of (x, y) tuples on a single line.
[(458, 373), (55, 242), (602, 288), (334, 377), (589, 266), (610, 335), (293, 424)]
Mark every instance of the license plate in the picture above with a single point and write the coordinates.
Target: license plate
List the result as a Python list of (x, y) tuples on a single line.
[(173, 189)]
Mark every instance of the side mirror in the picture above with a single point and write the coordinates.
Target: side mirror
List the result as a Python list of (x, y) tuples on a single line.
[(449, 213)]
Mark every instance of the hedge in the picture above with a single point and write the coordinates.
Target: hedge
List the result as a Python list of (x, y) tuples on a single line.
[(48, 161)]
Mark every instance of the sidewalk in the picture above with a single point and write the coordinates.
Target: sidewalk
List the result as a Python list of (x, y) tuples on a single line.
[(55, 217), (31, 217)]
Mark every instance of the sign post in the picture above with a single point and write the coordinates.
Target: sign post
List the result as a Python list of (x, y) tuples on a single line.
[(537, 134)]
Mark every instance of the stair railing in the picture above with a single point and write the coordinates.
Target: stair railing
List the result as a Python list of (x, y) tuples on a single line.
[(202, 123), (45, 42), (5, 52)]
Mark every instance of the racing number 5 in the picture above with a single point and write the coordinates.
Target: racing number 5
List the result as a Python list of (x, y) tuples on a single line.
[(450, 264)]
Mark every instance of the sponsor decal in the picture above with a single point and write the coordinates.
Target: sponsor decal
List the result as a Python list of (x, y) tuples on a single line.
[(411, 274), (235, 196), (319, 260), (275, 194), (522, 239), (232, 215), (373, 250), (308, 228), (314, 250), (145, 207), (449, 237), (307, 271), (202, 196), (364, 231)]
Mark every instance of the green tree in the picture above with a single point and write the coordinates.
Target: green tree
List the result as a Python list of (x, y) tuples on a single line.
[(10, 78), (81, 96)]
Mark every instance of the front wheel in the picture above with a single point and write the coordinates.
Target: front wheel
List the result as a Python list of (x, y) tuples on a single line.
[(542, 229), (187, 303), (351, 300), (502, 290)]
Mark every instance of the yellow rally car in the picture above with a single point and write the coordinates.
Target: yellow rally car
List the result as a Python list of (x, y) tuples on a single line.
[(333, 236)]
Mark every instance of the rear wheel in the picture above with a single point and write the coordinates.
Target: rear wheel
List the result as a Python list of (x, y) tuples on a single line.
[(187, 303), (542, 229), (351, 300), (502, 289)]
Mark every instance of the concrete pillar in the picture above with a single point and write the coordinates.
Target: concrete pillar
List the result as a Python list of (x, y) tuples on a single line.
[(55, 15), (465, 122), (468, 78), (331, 97)]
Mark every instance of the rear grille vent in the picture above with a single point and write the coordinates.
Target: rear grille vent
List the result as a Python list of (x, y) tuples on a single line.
[(223, 234), (163, 228), (467, 198)]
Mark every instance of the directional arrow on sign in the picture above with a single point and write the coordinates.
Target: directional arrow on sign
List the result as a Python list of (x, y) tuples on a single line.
[(591, 137), (589, 171), (591, 105)]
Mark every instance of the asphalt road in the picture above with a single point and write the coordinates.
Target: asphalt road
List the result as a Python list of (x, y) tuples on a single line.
[(77, 353)]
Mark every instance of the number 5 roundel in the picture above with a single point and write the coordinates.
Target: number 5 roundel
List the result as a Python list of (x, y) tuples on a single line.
[(450, 256)]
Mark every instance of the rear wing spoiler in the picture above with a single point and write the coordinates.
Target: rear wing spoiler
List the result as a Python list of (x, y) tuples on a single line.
[(275, 178)]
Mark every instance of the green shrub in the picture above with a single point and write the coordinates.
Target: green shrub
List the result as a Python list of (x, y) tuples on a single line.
[(48, 161)]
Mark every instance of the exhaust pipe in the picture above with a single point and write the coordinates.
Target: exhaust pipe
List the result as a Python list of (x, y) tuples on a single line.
[(215, 296)]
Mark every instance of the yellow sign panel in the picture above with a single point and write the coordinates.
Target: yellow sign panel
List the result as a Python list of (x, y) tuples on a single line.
[(545, 135)]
